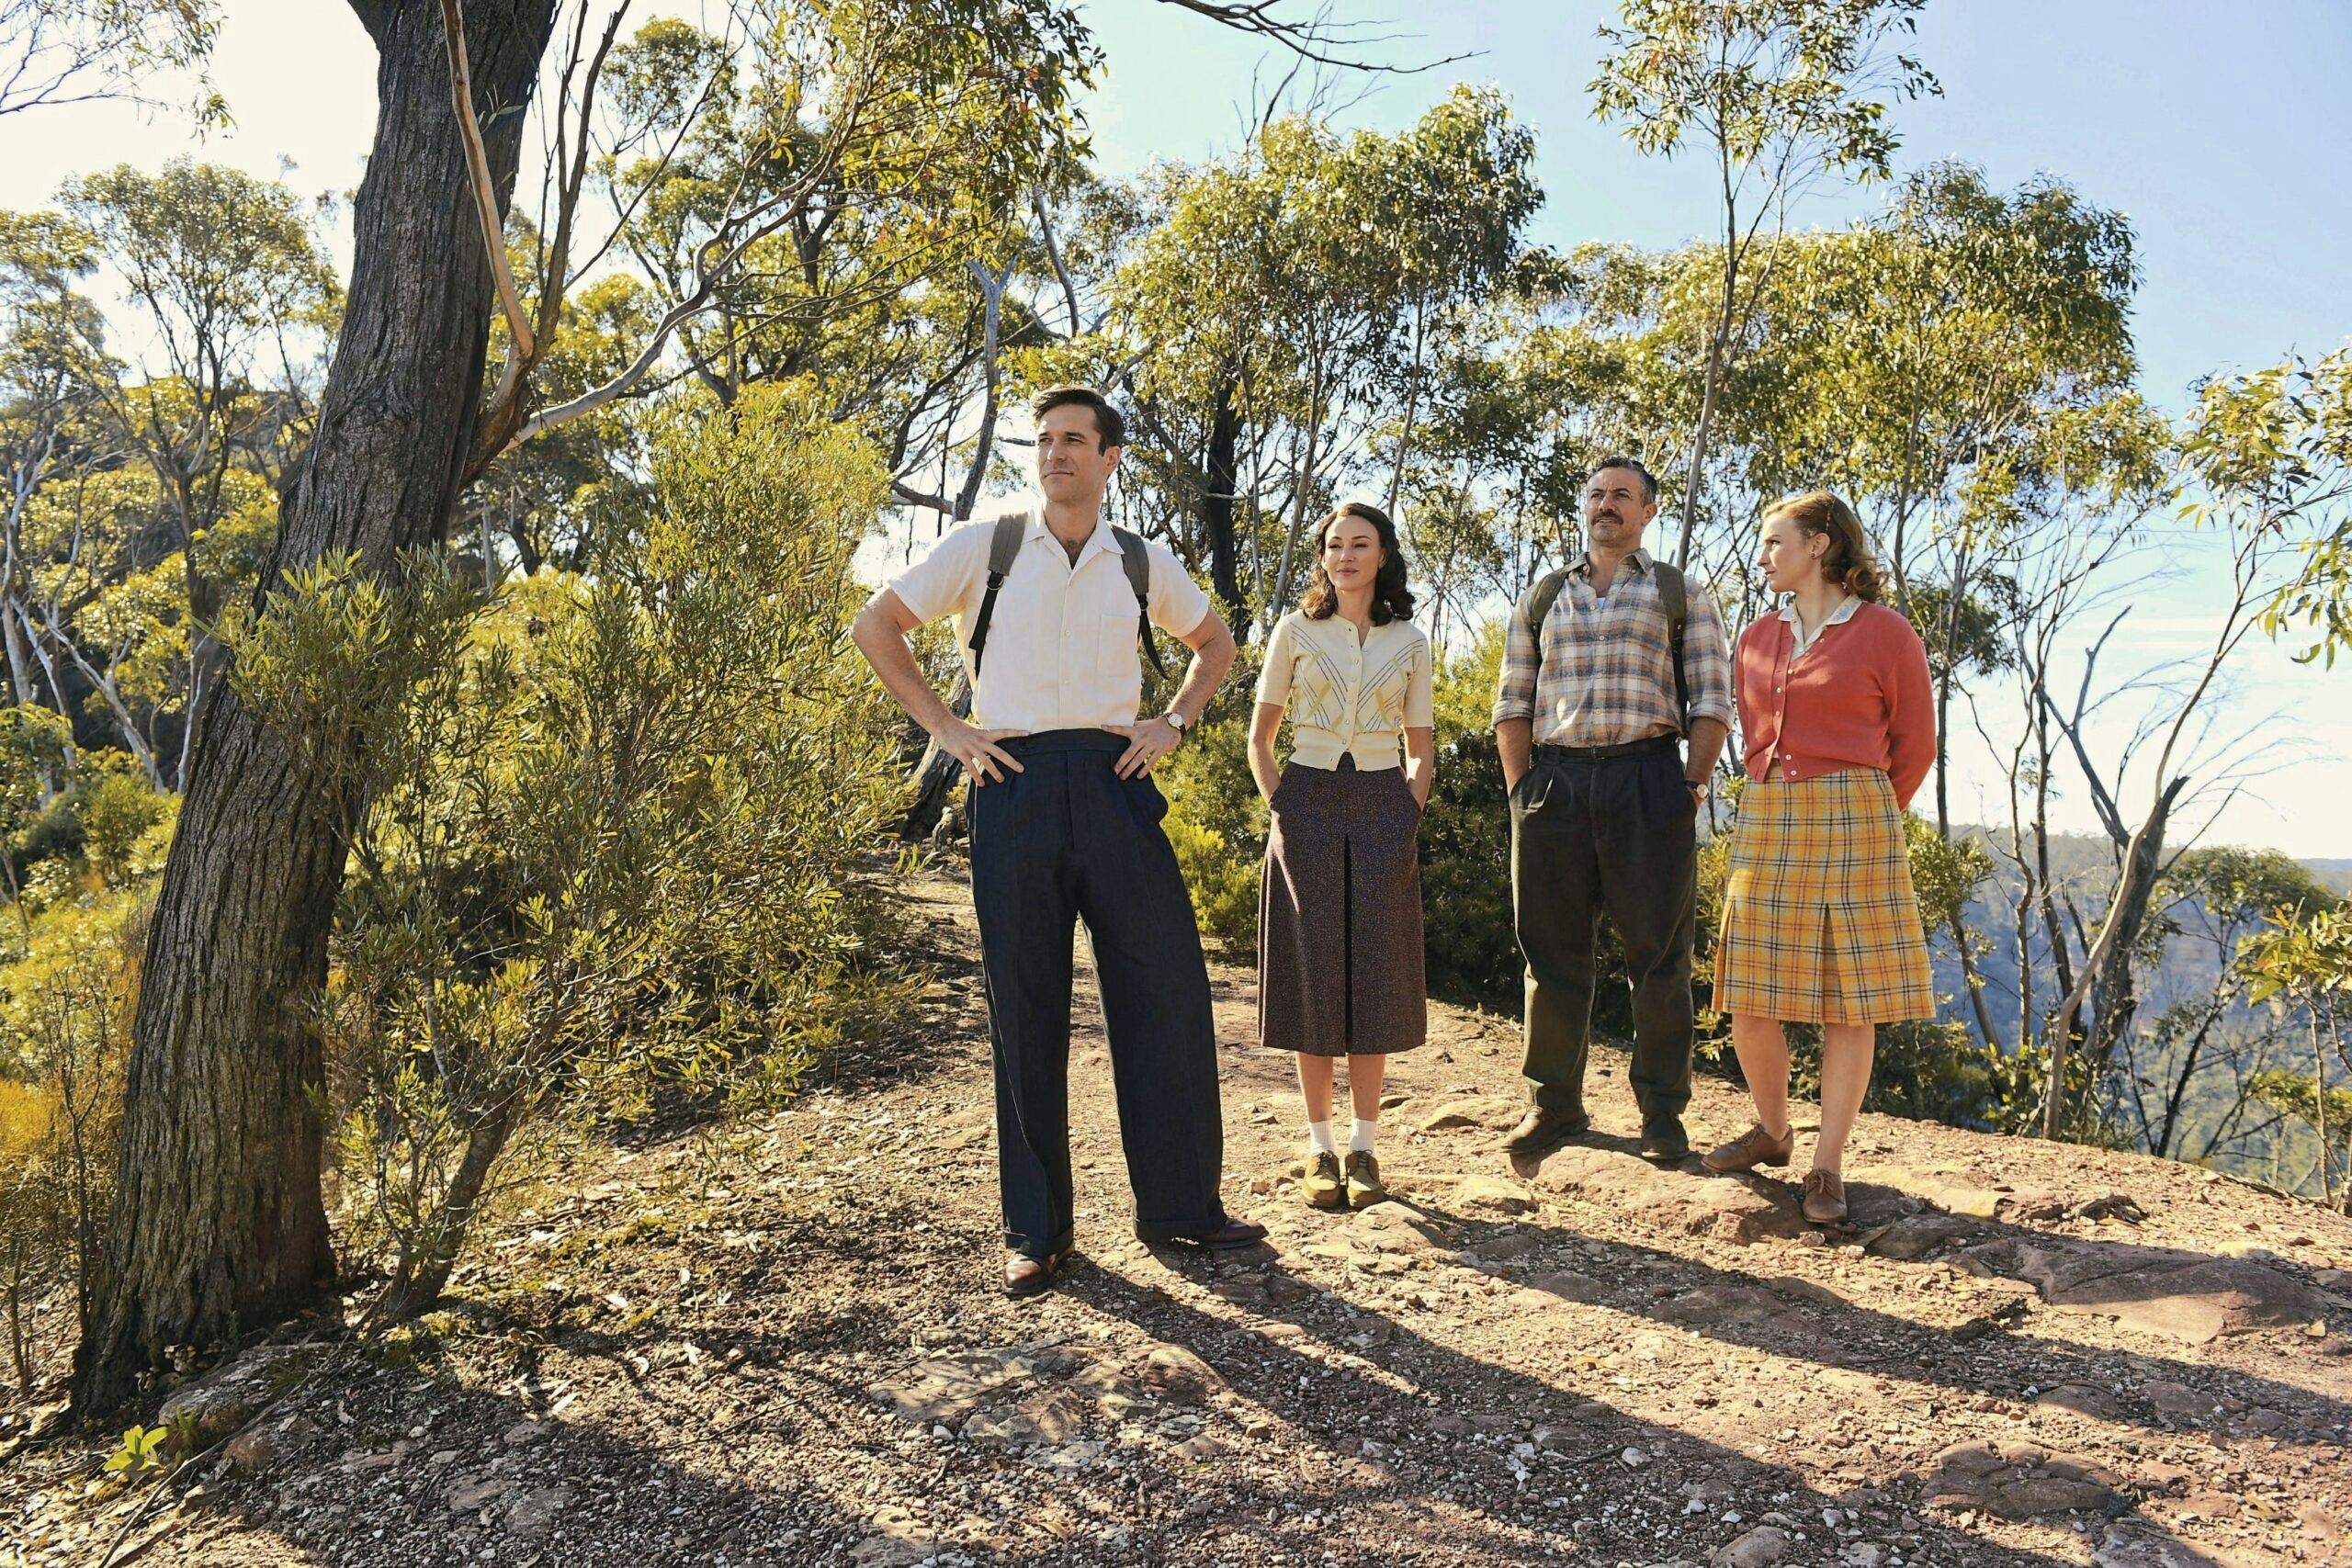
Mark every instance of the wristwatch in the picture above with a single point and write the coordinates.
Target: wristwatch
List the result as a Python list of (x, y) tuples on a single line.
[(1176, 720), (1696, 786)]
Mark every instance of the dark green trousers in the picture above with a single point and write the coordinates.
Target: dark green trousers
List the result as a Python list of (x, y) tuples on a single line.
[(1608, 836)]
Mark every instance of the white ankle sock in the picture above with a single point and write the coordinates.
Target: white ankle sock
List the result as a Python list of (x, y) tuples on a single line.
[(1319, 1137), (1359, 1140)]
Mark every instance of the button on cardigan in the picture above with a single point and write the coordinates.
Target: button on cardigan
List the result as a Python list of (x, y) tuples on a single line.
[(1859, 698), (1348, 698)]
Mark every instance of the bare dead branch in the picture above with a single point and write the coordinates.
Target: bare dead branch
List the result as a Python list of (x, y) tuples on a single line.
[(493, 227), (1321, 40)]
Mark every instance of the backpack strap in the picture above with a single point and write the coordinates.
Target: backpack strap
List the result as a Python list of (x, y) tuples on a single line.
[(1004, 548), (1540, 602), (1136, 564), (1674, 597)]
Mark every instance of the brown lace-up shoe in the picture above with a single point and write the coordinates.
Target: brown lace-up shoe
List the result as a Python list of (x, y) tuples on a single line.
[(1364, 1186), (1539, 1132), (1324, 1186), (1754, 1148), (1824, 1197)]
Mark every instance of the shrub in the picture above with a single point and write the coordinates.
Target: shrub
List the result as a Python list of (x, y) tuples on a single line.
[(66, 1008), (608, 826), (1217, 824)]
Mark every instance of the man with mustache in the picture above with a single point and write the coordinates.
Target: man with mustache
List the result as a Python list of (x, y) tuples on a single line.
[(1065, 821), (1609, 663)]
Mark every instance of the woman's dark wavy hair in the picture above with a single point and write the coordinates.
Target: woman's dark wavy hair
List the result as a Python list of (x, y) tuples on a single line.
[(1391, 599)]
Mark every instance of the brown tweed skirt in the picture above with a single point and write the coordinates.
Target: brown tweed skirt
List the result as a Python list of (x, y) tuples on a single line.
[(1340, 966), (1820, 925)]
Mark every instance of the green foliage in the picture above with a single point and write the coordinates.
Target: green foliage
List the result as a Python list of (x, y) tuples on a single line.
[(2273, 452), (141, 1451), (1471, 944), (1224, 885), (1217, 824), (61, 51), (66, 996), (126, 829), (1752, 77), (610, 824)]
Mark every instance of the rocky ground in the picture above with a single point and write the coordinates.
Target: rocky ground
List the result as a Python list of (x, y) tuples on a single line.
[(789, 1348)]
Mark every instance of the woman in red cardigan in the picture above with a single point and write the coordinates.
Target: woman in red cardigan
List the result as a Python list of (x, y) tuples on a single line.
[(1837, 725)]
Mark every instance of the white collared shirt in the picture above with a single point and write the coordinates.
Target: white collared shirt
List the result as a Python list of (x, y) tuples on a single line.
[(1805, 640), (1061, 648)]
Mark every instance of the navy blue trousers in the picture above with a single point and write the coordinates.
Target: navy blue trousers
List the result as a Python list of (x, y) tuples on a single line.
[(1065, 840)]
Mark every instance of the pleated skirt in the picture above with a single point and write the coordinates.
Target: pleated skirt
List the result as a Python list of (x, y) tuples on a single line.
[(1820, 924), (1340, 962)]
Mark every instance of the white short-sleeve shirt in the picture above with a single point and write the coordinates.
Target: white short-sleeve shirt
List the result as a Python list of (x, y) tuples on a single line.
[(1061, 649)]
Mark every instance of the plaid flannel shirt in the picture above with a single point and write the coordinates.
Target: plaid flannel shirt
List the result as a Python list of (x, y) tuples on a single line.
[(1606, 673)]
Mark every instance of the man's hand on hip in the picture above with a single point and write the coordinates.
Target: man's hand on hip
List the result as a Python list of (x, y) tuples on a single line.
[(1147, 743), (977, 748)]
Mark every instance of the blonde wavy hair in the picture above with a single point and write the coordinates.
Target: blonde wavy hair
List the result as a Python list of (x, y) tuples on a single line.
[(1848, 563)]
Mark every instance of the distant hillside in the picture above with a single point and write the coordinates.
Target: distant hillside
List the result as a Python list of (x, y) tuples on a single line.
[(2082, 866), (2336, 874)]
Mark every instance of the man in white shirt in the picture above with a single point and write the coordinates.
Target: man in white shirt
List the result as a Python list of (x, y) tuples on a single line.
[(1065, 823)]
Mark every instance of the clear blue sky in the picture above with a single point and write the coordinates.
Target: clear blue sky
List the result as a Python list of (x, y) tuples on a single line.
[(2217, 127)]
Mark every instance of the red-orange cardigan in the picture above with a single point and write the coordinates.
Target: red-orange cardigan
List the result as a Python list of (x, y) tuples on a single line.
[(1860, 698)]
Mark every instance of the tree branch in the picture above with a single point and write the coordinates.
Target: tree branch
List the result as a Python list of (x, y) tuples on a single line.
[(1312, 40), (493, 227)]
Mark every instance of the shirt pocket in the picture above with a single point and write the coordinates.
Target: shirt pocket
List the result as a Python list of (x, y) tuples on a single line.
[(1116, 650)]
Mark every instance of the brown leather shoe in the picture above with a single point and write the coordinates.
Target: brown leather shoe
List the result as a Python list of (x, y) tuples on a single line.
[(1324, 1186), (1754, 1148), (1824, 1197), (1026, 1276), (1364, 1186), (1539, 1132)]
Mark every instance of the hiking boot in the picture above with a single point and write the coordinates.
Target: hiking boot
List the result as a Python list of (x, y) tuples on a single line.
[(1663, 1140), (1322, 1184), (1364, 1186), (1754, 1148), (1824, 1197), (1539, 1132)]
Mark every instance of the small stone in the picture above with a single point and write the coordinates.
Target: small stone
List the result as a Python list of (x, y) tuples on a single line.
[(2083, 1400), (1757, 1549), (464, 1496), (251, 1452), (523, 1433), (1071, 1457), (1175, 1373), (1495, 1194), (1862, 1554), (1633, 1459), (1199, 1450), (537, 1509)]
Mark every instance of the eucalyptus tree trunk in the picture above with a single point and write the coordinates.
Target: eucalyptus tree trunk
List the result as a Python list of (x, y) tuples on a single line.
[(218, 1226), (1217, 506)]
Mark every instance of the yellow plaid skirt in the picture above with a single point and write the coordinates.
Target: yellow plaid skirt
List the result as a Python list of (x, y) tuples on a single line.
[(1820, 924)]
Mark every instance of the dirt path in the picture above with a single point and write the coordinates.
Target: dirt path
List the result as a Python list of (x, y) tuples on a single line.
[(2020, 1355)]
